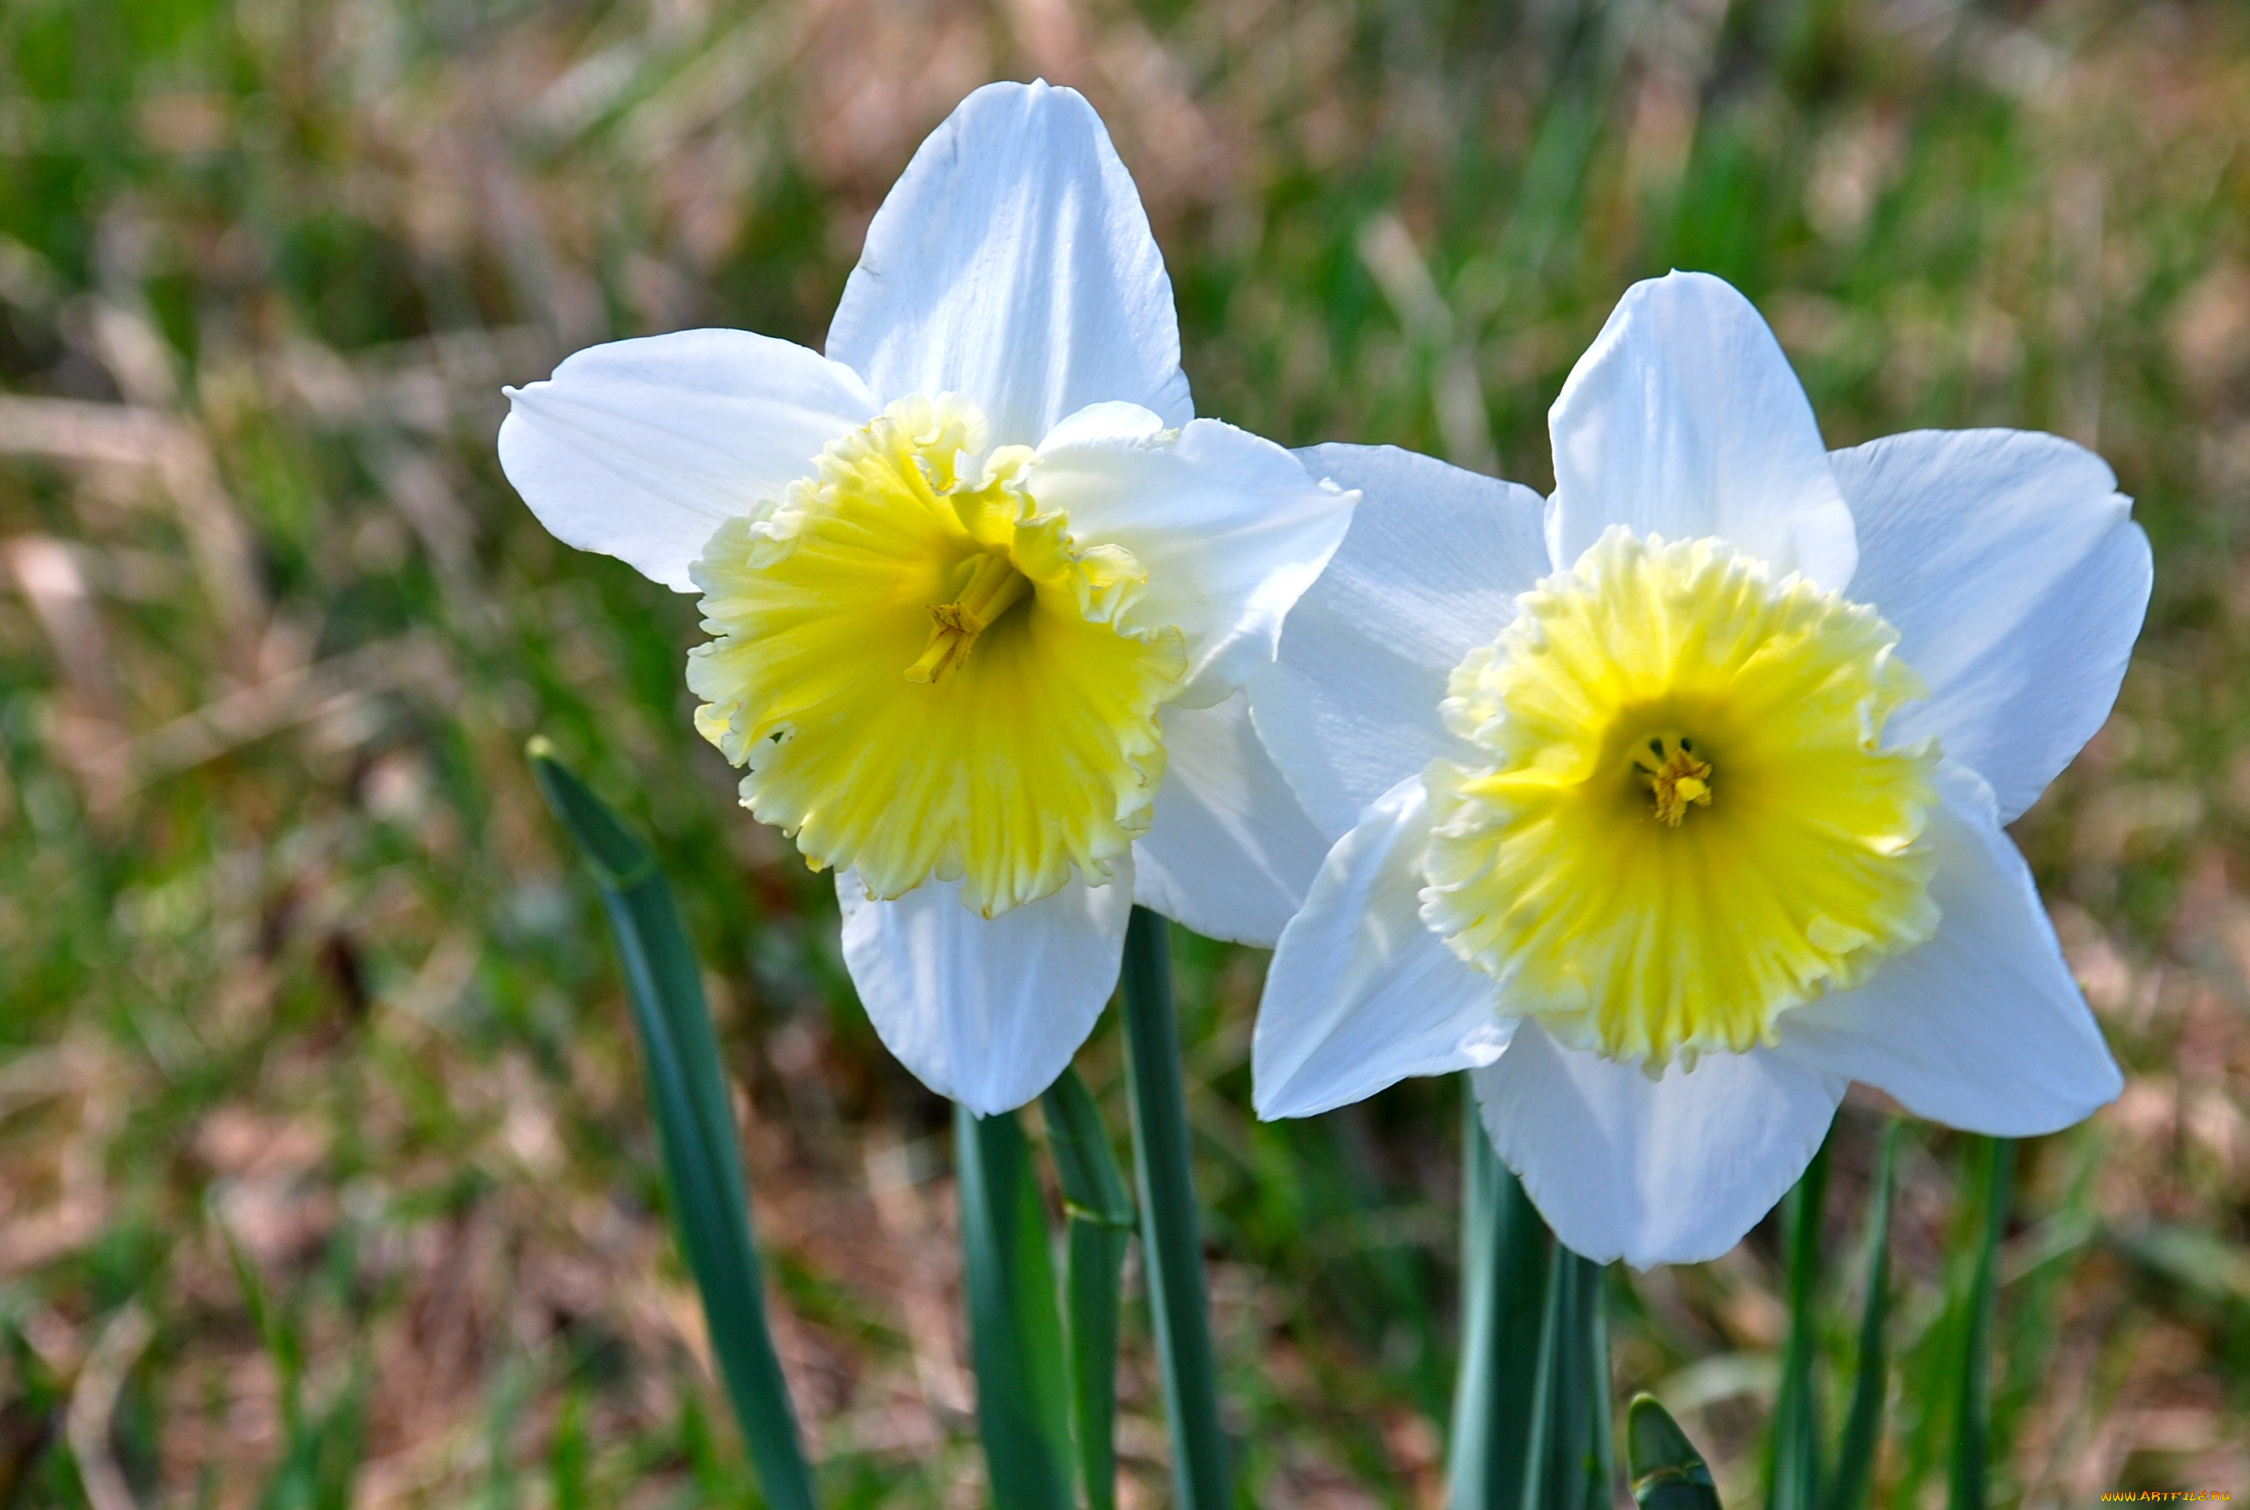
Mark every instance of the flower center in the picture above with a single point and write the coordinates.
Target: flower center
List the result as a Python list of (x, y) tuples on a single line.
[(993, 586), (1021, 743), (1677, 780), (1620, 691)]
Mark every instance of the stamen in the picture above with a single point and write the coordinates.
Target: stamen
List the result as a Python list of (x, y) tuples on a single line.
[(1646, 942), (908, 560), (1677, 778), (994, 587)]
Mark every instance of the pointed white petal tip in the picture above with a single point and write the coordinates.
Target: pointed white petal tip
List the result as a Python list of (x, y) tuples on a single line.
[(2013, 571), (1360, 995), (640, 449), (1982, 1028), (986, 1011), (1012, 264), (1684, 419), (1670, 1171)]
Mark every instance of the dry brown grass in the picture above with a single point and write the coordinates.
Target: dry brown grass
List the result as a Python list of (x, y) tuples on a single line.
[(319, 1128)]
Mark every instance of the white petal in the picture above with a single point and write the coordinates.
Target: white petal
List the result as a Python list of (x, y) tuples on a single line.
[(1230, 528), (1431, 566), (987, 1011), (1361, 995), (1670, 1171), (1683, 419), (1012, 263), (2010, 565), (1982, 1028), (640, 449), (1229, 852)]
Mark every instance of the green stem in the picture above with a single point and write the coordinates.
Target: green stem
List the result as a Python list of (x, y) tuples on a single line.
[(1601, 1455), (1568, 1463), (1863, 1425), (1015, 1335), (1972, 1434), (1796, 1413), (1504, 1264), (1101, 1224), (1169, 1228)]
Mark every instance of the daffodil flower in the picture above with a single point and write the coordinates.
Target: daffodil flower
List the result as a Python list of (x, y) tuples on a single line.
[(981, 590), (1673, 805)]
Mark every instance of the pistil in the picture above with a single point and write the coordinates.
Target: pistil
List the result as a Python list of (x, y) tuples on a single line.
[(994, 587), (1677, 777)]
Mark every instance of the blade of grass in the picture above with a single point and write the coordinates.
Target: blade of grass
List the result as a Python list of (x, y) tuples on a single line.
[(503, 1485), (568, 1452), (1015, 1334), (1972, 1418), (1668, 1473), (276, 1332), (2038, 1274), (1100, 1216), (695, 1128), (344, 1441), (320, 1449), (1504, 1269), (1170, 1229), (320, 1457), (1863, 1426), (1929, 1362), (1794, 1473)]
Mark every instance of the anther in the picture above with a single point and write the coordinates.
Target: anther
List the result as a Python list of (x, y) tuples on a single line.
[(1682, 781), (1676, 777), (994, 587)]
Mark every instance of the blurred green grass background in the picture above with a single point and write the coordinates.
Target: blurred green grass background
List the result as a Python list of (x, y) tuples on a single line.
[(323, 1175)]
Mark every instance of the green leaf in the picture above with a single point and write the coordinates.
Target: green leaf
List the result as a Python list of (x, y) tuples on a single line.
[(1863, 1426), (1795, 1463), (1601, 1457), (1668, 1473), (1100, 1226), (1084, 1162), (694, 1124), (1568, 1466), (1170, 1231), (1972, 1417), (1015, 1333), (1504, 1266)]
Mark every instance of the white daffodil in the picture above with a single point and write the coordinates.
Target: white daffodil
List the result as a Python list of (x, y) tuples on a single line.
[(982, 590), (1674, 805)]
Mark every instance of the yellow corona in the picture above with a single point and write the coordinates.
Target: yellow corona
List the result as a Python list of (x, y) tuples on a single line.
[(1689, 822), (923, 674)]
